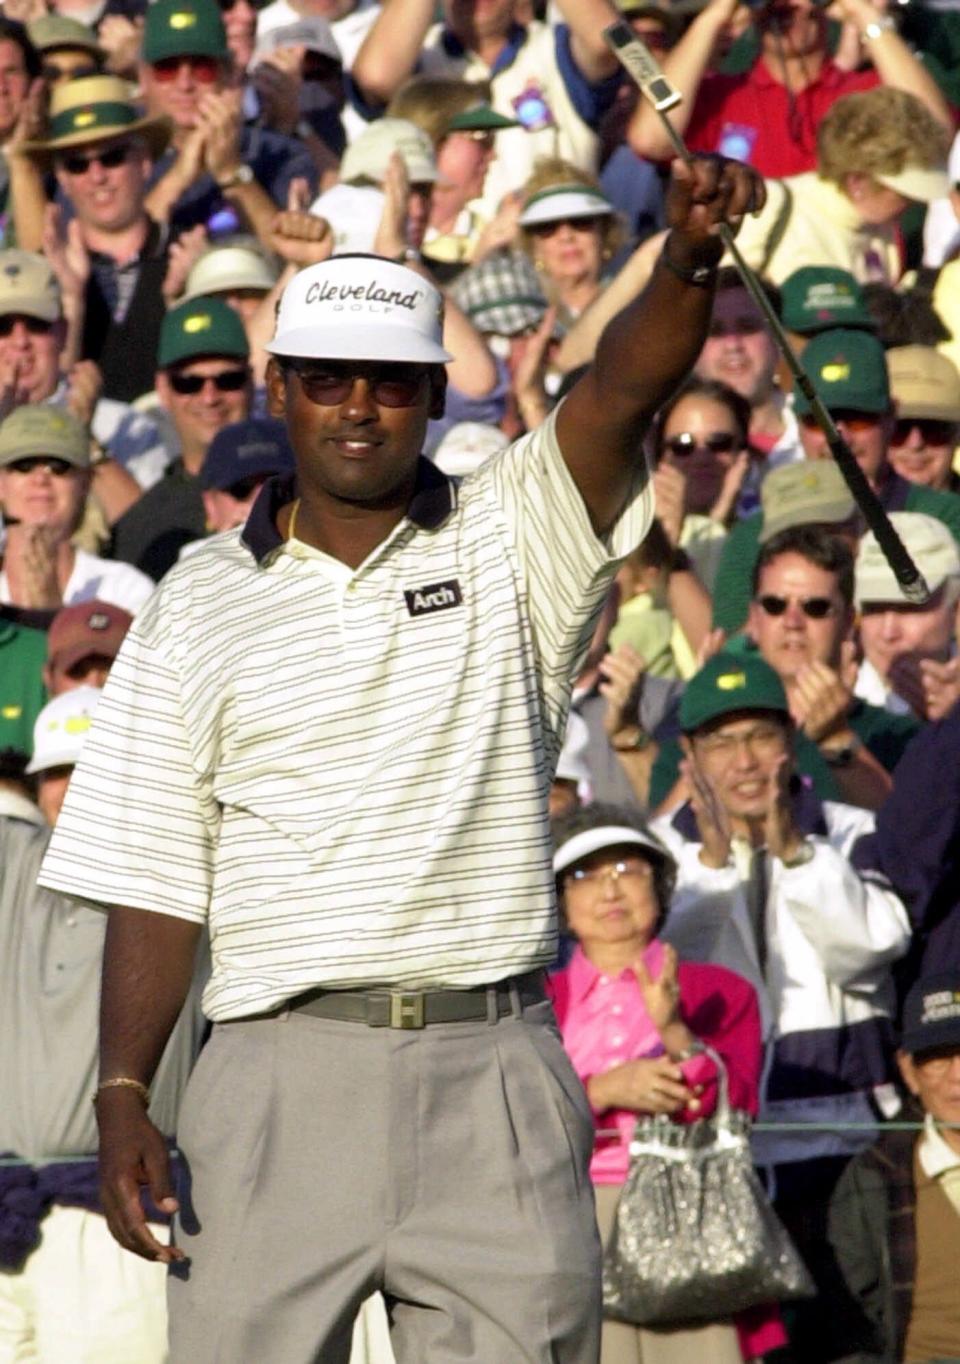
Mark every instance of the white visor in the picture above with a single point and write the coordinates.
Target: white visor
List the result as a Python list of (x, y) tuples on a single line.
[(918, 183), (565, 201), (581, 845)]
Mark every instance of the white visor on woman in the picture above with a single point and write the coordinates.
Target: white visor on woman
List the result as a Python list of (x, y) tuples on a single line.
[(581, 845), (565, 201)]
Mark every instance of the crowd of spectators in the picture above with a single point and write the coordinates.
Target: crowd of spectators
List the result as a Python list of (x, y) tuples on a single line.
[(757, 809)]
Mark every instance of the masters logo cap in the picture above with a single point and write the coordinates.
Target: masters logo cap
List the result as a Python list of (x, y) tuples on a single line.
[(924, 383), (205, 326), (61, 728), (816, 298), (28, 286), (97, 109), (848, 369), (729, 683), (184, 28), (930, 545), (361, 308), (52, 31), (37, 429), (811, 492)]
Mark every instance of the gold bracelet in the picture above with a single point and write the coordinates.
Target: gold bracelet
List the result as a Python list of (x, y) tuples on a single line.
[(124, 1082)]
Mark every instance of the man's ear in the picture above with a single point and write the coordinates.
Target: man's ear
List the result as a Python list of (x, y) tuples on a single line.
[(749, 629), (686, 747), (438, 391), (276, 384)]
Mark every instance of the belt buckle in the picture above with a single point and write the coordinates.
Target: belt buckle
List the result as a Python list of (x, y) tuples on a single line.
[(407, 1009)]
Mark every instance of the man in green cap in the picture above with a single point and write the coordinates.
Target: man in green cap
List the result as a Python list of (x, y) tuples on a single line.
[(849, 371), (204, 381), (216, 162), (781, 888)]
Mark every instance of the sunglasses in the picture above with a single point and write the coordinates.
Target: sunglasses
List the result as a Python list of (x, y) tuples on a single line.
[(933, 431), (859, 423), (391, 386), (716, 443), (189, 385), (75, 164), (53, 73), (58, 467), (575, 225), (816, 608), (206, 70), (36, 326)]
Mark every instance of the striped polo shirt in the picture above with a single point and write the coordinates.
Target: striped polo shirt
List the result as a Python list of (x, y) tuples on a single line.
[(346, 774)]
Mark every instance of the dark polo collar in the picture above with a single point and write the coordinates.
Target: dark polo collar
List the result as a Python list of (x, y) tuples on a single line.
[(434, 498)]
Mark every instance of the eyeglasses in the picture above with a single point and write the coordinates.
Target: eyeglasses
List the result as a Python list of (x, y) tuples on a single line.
[(390, 386), (816, 608), (859, 423), (575, 225), (36, 326), (206, 70), (58, 467), (637, 870), (230, 381), (932, 430), (716, 443), (53, 73), (75, 164)]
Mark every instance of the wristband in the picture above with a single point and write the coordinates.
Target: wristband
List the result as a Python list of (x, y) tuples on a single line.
[(700, 276), (124, 1082)]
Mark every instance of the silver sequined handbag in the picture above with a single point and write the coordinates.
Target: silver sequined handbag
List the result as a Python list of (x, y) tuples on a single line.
[(695, 1238)]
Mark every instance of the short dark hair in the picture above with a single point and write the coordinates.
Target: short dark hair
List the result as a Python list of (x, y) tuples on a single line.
[(12, 32), (715, 391), (600, 813), (729, 277), (821, 547)]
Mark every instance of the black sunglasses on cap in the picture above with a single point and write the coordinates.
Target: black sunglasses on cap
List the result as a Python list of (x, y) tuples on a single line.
[(391, 385), (230, 381), (75, 164), (58, 467), (36, 326)]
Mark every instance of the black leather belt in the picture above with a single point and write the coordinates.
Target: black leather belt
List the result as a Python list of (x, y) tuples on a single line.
[(420, 1008)]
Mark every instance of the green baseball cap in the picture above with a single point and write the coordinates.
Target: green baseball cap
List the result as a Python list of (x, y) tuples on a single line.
[(728, 683), (481, 118), (184, 28), (848, 369), (818, 298), (36, 429), (204, 326)]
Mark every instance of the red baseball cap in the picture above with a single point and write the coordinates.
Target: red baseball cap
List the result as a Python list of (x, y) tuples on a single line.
[(90, 627)]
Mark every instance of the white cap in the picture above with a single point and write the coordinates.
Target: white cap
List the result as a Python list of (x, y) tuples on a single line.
[(313, 33), (581, 845), (238, 266), (361, 308), (921, 183), (61, 728), (466, 446), (353, 212), (572, 763), (928, 542), (368, 155)]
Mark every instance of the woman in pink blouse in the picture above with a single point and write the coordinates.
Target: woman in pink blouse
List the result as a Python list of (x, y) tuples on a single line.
[(630, 1015)]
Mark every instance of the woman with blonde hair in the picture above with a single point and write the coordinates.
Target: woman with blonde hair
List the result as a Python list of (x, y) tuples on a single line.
[(570, 230)]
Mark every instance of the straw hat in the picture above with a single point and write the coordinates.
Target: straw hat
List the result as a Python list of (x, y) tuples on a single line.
[(93, 109)]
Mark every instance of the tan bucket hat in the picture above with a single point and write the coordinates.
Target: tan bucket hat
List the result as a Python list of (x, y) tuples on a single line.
[(93, 109)]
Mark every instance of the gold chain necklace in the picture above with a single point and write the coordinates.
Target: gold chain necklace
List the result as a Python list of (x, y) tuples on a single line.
[(291, 529)]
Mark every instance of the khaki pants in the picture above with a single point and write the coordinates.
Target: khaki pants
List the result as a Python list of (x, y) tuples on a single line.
[(80, 1299), (622, 1344), (446, 1167)]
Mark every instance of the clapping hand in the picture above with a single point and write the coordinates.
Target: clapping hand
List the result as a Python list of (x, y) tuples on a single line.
[(623, 671), (712, 821)]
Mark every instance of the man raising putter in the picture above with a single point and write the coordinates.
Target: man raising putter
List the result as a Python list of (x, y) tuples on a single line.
[(329, 738)]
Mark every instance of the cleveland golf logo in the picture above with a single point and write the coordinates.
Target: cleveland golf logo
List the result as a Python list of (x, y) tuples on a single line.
[(355, 296)]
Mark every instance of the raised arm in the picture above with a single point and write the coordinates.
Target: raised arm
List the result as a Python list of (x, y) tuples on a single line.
[(647, 350), (586, 20), (892, 59), (388, 54)]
